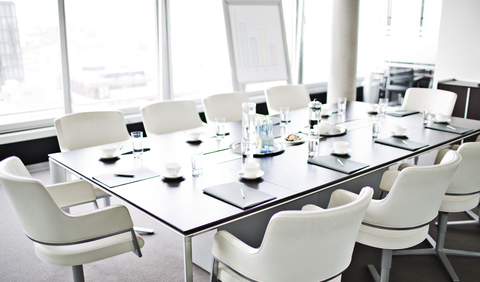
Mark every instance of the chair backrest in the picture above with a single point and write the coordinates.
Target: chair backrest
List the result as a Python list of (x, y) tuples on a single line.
[(313, 245), (292, 96), (467, 178), (87, 129), (227, 105), (170, 116), (41, 218), (416, 195), (435, 100)]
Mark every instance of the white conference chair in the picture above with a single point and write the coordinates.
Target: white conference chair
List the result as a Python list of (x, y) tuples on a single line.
[(87, 129), (63, 239), (227, 105), (401, 220), (434, 100), (293, 96), (170, 116), (462, 195), (313, 244)]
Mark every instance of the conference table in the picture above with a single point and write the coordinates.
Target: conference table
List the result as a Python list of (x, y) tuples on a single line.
[(181, 205)]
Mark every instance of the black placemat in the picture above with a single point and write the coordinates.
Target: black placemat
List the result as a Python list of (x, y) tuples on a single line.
[(402, 113), (406, 144), (336, 163), (448, 128), (117, 178), (232, 193)]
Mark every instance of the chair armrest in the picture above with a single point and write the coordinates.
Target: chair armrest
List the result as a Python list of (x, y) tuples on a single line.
[(388, 179), (405, 165), (441, 153), (231, 251), (72, 193), (341, 197), (311, 207), (94, 224)]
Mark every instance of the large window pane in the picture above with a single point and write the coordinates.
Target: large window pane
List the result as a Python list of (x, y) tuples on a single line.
[(316, 43), (112, 48), (30, 91), (199, 53)]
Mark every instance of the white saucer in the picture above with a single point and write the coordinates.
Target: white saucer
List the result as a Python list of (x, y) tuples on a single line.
[(342, 153), (443, 121), (105, 158), (372, 112), (260, 173), (326, 114), (194, 140), (178, 175), (400, 135)]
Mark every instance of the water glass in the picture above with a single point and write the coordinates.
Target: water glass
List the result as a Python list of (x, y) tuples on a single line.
[(137, 146), (284, 115), (383, 104), (342, 104), (220, 127), (375, 129), (312, 147), (197, 163), (426, 116)]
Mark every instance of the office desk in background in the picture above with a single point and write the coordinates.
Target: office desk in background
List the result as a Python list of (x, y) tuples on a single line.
[(182, 206)]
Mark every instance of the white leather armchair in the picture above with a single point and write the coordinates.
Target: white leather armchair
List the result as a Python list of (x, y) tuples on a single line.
[(170, 116), (463, 194), (313, 244), (227, 105), (60, 238), (435, 100), (401, 220), (293, 96), (87, 129)]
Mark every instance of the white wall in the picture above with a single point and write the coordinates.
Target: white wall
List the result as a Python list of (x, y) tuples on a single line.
[(458, 53)]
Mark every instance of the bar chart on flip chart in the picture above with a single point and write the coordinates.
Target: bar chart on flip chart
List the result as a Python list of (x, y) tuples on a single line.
[(258, 43)]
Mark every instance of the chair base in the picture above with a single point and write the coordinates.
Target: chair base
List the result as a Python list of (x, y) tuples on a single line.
[(473, 221), (77, 271), (438, 248), (144, 230), (385, 265)]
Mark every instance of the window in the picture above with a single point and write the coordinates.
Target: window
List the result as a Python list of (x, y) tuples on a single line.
[(200, 60), (316, 41), (112, 50), (29, 63)]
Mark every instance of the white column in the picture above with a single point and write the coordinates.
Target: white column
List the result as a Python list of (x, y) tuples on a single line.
[(343, 60)]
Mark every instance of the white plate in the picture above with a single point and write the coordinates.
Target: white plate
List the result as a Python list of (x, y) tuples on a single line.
[(443, 121), (292, 142), (343, 153), (178, 175), (400, 135), (260, 173)]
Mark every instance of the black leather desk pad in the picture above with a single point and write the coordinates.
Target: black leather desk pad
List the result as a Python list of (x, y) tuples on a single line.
[(332, 162), (406, 144)]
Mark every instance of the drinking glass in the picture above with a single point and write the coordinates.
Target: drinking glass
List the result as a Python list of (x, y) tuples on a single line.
[(342, 104), (197, 163), (375, 129), (312, 147), (383, 104), (284, 115), (426, 116), (220, 127), (137, 146)]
